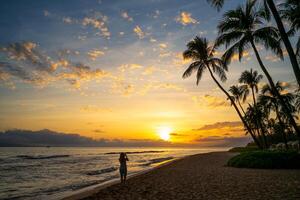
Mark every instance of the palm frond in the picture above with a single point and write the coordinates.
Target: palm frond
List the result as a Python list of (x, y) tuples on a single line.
[(192, 68)]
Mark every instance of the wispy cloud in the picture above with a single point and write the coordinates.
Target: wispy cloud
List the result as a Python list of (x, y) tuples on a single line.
[(94, 109), (210, 101), (139, 32), (126, 16), (29, 64), (95, 53), (219, 125), (185, 18), (98, 22)]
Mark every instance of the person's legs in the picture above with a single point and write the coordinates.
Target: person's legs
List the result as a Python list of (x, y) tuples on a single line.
[(125, 174), (121, 174)]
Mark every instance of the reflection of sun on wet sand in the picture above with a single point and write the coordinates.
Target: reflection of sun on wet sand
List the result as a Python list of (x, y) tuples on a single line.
[(205, 176)]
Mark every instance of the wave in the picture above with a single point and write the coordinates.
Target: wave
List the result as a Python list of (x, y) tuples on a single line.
[(41, 157), (135, 152), (101, 171), (157, 160)]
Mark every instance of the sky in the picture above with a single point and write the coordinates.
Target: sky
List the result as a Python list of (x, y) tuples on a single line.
[(113, 69)]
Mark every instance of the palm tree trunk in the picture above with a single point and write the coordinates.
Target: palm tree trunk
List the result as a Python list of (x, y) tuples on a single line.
[(253, 95), (257, 124), (241, 107), (270, 80), (285, 40), (236, 108), (282, 127)]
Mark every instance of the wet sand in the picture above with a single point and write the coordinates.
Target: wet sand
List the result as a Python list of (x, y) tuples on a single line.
[(204, 176)]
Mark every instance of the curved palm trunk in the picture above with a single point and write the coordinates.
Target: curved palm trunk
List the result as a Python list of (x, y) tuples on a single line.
[(285, 40), (270, 80), (253, 95), (236, 108), (258, 125), (282, 127), (241, 107)]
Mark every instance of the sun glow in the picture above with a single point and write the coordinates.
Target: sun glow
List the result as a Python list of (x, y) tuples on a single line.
[(164, 133)]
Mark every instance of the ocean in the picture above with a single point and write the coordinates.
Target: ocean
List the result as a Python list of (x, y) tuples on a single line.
[(29, 173)]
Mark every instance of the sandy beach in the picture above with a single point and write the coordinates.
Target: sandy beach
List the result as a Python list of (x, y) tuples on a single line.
[(204, 176)]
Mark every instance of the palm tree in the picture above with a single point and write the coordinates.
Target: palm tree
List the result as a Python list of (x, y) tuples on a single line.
[(297, 100), (239, 93), (251, 79), (203, 59), (291, 13), (270, 101), (284, 36), (254, 114), (239, 26)]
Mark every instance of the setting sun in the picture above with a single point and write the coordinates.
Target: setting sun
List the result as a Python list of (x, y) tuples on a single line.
[(164, 133)]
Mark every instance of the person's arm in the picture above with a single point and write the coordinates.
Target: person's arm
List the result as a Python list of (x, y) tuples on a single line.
[(127, 158)]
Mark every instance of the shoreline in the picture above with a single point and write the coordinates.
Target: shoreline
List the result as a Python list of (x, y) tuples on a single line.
[(203, 176), (94, 189)]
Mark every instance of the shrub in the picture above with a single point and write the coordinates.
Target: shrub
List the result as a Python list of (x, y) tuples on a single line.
[(266, 160), (244, 149)]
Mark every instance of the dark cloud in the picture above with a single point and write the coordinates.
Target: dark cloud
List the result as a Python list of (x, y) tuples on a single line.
[(99, 131), (219, 125), (177, 135), (223, 141)]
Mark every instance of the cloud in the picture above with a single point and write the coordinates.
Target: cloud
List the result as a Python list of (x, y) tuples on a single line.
[(211, 101), (98, 131), (273, 58), (163, 45), (220, 125), (129, 67), (93, 109), (95, 53), (46, 13), (153, 40), (185, 18), (25, 62), (138, 31), (67, 20), (223, 141), (44, 137), (98, 22), (246, 55), (178, 135), (126, 16)]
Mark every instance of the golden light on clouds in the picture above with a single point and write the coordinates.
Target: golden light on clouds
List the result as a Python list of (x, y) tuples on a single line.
[(185, 18)]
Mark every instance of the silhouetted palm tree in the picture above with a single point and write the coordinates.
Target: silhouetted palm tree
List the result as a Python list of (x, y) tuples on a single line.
[(285, 38), (203, 59), (239, 93), (297, 100), (269, 4), (251, 79), (270, 101), (291, 12), (239, 26), (254, 114)]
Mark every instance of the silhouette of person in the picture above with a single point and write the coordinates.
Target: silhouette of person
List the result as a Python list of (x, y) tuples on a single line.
[(123, 166)]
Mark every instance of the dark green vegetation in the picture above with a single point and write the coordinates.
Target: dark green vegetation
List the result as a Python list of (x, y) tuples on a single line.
[(266, 160), (268, 113), (244, 149)]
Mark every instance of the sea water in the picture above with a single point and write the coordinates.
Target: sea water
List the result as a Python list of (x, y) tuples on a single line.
[(41, 172)]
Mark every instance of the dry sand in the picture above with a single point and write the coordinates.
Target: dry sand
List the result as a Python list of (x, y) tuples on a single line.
[(205, 176)]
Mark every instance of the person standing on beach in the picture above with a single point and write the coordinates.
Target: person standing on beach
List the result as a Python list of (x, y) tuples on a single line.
[(123, 166)]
